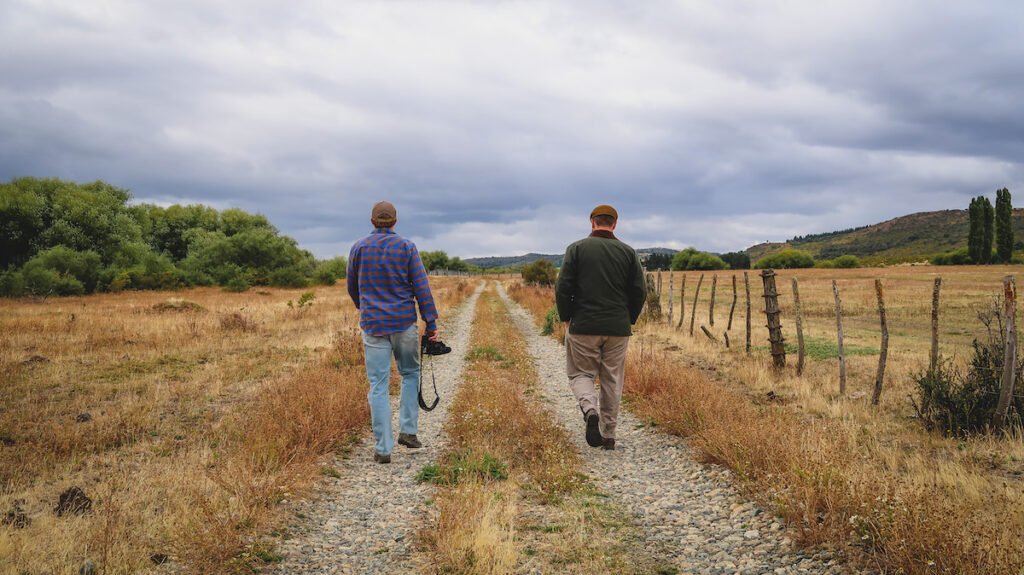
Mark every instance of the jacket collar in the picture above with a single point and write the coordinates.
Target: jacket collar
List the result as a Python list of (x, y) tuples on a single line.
[(608, 235), (383, 230)]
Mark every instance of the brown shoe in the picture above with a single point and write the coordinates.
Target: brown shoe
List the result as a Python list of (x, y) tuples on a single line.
[(409, 440), (608, 443), (381, 458)]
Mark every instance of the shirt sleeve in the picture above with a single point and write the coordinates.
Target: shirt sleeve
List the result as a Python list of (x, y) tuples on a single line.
[(637, 291), (421, 287), (565, 287), (352, 275)]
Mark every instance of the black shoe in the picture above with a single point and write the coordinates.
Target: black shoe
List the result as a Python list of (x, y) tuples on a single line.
[(593, 430), (409, 440), (381, 458)]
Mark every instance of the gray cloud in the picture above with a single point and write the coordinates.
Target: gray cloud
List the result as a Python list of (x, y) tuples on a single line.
[(496, 127)]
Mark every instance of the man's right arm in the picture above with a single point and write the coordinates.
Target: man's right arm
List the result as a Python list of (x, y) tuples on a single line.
[(352, 275), (565, 287)]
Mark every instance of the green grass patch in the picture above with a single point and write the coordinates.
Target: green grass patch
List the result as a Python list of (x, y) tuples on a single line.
[(462, 465), (825, 349), (487, 352)]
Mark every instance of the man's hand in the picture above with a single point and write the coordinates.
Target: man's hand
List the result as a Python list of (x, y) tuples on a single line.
[(432, 335)]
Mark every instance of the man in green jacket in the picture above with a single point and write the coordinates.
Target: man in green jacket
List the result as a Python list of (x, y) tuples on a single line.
[(600, 292)]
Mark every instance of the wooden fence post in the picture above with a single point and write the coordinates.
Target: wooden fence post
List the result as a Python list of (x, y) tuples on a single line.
[(653, 300), (884, 351), (659, 283), (711, 306), (839, 345), (693, 308), (682, 302), (799, 329), (933, 363), (732, 308), (671, 295), (746, 284), (1009, 354), (771, 309), (708, 333)]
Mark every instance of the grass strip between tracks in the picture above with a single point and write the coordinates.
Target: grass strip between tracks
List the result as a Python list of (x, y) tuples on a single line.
[(510, 494)]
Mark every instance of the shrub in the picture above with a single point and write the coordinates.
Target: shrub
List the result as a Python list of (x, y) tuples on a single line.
[(691, 259), (330, 271), (291, 277), (737, 260), (73, 272), (237, 285), (824, 264), (959, 257), (846, 262), (959, 404), (12, 284), (786, 259), (550, 321), (540, 272)]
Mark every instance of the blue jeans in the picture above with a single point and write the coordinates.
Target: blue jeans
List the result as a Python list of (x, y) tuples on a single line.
[(404, 345)]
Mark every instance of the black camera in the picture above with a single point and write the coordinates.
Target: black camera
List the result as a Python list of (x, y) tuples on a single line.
[(429, 347)]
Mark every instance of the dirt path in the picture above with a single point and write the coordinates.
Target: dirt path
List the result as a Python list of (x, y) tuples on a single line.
[(364, 520), (689, 514)]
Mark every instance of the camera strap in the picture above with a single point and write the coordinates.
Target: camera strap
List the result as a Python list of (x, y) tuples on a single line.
[(437, 398)]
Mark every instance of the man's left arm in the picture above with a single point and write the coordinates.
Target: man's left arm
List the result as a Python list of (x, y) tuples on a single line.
[(637, 291), (421, 289)]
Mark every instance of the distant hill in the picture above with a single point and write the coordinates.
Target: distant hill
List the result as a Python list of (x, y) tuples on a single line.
[(520, 261), (911, 238)]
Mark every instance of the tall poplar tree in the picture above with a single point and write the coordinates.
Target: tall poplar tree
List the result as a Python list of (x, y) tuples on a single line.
[(987, 229), (1004, 226), (974, 234)]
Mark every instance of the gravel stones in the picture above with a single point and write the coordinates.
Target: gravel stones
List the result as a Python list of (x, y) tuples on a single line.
[(365, 519), (690, 515)]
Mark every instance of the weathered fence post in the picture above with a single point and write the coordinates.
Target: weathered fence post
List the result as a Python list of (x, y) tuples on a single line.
[(839, 345), (799, 329), (711, 306), (659, 283), (746, 285), (933, 363), (772, 311), (693, 308), (682, 302), (671, 295), (708, 333), (653, 300), (732, 308), (1009, 354), (883, 353)]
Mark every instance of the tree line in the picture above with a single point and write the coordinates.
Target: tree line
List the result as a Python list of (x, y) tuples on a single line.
[(989, 233), (64, 238)]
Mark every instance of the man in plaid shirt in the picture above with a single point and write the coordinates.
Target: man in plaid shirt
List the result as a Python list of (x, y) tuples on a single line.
[(386, 281)]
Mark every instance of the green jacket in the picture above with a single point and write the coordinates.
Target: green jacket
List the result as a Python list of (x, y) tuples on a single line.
[(601, 286)]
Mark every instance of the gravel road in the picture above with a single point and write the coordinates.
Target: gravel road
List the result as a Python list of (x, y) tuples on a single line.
[(365, 520), (689, 513)]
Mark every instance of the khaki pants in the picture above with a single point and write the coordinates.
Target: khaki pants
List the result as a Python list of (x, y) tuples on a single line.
[(590, 356)]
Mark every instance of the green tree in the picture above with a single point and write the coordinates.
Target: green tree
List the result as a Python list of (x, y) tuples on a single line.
[(435, 260), (786, 259), (330, 271), (1004, 226), (976, 230), (540, 272), (658, 261), (988, 229), (737, 260)]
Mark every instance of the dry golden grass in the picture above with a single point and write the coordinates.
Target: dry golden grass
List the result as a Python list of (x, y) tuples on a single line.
[(512, 497), (201, 420), (839, 470)]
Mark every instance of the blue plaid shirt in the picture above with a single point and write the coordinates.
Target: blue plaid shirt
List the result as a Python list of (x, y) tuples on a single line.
[(385, 280)]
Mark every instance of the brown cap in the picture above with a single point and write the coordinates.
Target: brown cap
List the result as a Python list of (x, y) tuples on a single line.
[(383, 213), (605, 210)]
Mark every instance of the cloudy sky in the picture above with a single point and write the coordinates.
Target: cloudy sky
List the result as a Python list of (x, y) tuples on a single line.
[(496, 126)]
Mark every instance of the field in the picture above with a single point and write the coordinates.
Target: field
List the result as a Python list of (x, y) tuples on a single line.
[(867, 479), (185, 419)]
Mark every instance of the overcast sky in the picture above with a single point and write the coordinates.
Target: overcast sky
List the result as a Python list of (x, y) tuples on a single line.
[(495, 127)]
